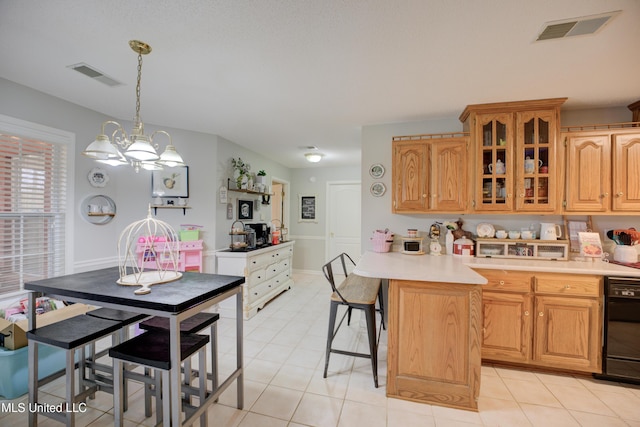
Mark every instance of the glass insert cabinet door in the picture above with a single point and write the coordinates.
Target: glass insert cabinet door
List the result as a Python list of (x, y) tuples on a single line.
[(495, 162), (535, 161)]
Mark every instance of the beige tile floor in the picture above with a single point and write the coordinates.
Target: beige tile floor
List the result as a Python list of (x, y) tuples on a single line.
[(284, 359)]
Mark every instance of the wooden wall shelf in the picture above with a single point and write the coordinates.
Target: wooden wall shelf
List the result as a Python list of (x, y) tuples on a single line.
[(156, 207)]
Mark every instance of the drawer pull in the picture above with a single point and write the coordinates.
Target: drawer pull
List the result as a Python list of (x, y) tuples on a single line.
[(567, 286), (501, 282), (541, 314), (526, 313)]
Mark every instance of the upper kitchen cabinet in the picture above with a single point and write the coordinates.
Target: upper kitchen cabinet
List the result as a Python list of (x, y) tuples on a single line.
[(515, 166), (603, 173), (429, 173)]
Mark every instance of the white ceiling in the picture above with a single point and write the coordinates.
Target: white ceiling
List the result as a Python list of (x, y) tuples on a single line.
[(275, 75)]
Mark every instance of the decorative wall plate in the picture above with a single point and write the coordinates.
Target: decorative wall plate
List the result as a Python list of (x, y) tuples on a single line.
[(378, 189), (98, 177), (376, 171)]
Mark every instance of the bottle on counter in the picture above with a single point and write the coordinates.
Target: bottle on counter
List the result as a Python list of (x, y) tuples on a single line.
[(448, 242)]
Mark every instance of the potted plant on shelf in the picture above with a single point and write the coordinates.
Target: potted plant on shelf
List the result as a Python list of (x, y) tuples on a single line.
[(240, 172)]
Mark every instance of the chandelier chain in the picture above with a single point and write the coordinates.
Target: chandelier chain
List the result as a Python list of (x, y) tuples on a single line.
[(138, 85)]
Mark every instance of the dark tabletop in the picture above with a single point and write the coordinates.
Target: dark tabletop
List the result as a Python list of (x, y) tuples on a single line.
[(174, 297)]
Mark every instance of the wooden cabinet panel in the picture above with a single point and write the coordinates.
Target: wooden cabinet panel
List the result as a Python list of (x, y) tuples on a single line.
[(493, 188), (449, 175), (568, 333), (503, 136), (507, 325), (507, 280), (603, 170), (588, 173), (626, 172), (537, 173), (569, 284), (429, 174), (410, 172), (434, 342)]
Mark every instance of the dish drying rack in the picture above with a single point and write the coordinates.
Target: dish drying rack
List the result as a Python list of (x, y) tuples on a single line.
[(523, 249)]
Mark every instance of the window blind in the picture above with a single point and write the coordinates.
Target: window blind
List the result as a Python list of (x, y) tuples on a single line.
[(33, 179)]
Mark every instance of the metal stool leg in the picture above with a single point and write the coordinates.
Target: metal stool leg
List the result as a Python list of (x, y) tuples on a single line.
[(332, 323), (370, 314)]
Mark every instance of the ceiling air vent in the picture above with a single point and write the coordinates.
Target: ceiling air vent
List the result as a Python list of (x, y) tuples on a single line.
[(89, 71), (576, 26)]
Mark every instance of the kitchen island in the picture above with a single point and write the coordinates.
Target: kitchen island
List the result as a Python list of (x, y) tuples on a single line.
[(434, 330)]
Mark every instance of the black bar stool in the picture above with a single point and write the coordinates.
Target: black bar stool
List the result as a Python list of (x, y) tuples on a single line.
[(151, 350), (69, 334), (126, 319), (192, 325)]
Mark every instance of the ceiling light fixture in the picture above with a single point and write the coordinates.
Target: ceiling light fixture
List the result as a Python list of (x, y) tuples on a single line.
[(138, 149), (313, 157)]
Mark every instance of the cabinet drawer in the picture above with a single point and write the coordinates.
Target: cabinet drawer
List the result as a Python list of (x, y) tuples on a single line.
[(506, 280), (256, 277), (259, 260), (569, 284), (254, 293)]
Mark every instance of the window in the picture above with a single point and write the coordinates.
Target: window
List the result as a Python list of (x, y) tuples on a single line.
[(33, 203)]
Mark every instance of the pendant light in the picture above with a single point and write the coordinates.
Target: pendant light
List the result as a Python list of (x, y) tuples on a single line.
[(138, 149)]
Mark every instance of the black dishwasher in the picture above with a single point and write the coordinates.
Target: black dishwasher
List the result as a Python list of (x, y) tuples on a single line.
[(621, 352)]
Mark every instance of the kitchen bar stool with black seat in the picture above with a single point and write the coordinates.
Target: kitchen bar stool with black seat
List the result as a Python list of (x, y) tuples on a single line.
[(354, 292), (126, 319), (151, 349), (72, 335), (192, 325)]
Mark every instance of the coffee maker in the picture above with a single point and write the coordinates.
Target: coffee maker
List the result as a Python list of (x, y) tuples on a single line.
[(262, 233)]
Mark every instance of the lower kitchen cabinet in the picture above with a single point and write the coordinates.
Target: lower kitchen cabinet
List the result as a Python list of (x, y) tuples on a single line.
[(267, 272), (568, 326), (506, 329), (433, 343), (543, 319)]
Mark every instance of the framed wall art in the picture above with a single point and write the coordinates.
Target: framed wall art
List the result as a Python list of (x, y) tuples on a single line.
[(245, 209), (307, 208), (171, 182)]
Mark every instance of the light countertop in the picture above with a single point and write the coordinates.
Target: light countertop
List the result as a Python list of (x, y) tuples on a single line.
[(453, 269), (396, 265), (588, 266)]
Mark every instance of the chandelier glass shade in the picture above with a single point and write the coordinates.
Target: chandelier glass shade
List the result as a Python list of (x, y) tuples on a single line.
[(136, 149)]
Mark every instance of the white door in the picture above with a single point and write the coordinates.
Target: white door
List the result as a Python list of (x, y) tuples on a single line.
[(343, 219)]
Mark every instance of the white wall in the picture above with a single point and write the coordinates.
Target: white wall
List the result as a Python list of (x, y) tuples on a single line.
[(226, 151), (376, 148), (309, 250)]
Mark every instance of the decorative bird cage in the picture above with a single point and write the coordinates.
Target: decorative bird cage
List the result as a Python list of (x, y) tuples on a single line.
[(148, 244)]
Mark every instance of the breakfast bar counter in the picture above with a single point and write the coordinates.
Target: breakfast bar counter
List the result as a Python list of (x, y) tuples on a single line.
[(434, 328)]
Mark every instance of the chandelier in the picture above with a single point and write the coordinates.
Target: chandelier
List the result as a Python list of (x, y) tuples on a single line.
[(135, 149)]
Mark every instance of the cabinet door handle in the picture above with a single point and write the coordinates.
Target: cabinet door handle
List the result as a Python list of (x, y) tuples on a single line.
[(424, 196), (620, 194), (526, 313), (541, 314), (602, 196), (521, 195)]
